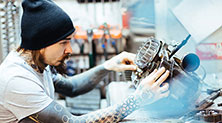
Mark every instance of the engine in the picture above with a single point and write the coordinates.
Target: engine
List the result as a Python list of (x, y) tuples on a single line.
[(184, 82)]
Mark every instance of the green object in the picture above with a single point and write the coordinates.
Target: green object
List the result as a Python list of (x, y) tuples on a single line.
[(91, 60)]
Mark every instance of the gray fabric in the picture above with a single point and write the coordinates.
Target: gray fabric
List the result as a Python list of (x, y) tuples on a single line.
[(23, 91)]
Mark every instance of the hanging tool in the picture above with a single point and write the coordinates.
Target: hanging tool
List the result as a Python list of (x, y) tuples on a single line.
[(104, 40), (90, 40)]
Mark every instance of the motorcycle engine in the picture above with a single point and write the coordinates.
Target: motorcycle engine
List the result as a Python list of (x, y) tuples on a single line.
[(183, 81)]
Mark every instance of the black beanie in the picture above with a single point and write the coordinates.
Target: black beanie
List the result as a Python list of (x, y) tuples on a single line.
[(43, 24)]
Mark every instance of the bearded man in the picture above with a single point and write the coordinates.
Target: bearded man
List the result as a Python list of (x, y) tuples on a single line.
[(30, 75)]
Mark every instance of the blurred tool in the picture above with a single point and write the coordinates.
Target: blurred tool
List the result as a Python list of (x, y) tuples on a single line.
[(90, 40), (180, 45), (104, 40), (209, 100)]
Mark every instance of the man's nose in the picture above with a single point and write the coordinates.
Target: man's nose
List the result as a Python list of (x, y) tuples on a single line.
[(68, 49)]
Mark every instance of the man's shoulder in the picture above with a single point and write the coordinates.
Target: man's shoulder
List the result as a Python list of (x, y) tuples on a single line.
[(13, 64), (9, 69), (16, 70)]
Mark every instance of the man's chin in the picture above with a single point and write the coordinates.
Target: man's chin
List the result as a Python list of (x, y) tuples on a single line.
[(57, 64), (60, 67)]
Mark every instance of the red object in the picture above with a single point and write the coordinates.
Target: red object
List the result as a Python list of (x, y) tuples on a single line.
[(209, 51), (125, 19)]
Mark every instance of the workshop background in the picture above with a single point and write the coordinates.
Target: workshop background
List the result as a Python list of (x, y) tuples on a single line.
[(107, 27)]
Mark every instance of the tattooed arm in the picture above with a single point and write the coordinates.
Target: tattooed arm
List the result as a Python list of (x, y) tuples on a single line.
[(79, 84), (55, 113), (84, 82), (148, 91)]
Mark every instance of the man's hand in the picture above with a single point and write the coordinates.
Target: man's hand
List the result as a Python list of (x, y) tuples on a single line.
[(121, 62), (149, 89)]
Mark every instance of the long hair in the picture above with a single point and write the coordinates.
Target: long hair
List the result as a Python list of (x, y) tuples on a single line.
[(39, 64)]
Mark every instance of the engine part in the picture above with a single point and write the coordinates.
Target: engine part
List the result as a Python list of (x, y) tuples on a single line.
[(209, 100), (205, 115), (183, 81), (209, 115)]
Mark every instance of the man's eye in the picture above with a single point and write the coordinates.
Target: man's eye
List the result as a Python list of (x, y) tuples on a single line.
[(63, 43)]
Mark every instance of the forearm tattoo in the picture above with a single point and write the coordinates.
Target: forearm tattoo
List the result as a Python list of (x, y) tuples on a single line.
[(79, 84), (55, 113), (144, 97)]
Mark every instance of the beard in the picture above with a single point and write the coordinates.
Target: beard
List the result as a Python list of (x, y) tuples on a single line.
[(61, 68)]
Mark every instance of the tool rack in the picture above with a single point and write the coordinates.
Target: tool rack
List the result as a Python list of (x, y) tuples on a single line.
[(9, 15)]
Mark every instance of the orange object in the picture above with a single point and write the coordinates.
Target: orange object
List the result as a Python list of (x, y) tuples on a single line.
[(98, 34), (80, 34), (115, 33)]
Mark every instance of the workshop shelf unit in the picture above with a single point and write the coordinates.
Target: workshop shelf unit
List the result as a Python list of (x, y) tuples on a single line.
[(9, 15)]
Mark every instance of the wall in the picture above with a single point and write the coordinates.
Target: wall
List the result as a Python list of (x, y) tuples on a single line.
[(92, 15)]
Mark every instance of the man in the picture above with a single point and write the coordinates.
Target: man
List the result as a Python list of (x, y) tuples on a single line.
[(28, 74)]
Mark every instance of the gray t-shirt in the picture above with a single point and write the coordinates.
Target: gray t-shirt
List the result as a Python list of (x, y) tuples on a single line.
[(23, 91)]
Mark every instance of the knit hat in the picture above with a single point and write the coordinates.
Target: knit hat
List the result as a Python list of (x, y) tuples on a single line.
[(43, 24)]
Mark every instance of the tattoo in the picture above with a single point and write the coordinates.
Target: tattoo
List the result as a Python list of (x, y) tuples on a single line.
[(129, 105), (145, 96), (79, 84), (58, 114), (57, 108)]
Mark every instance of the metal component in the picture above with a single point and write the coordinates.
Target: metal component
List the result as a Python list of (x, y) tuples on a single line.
[(183, 81), (190, 62), (209, 100), (209, 115), (180, 45), (148, 51)]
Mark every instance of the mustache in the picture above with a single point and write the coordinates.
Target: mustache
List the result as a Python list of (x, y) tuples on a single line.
[(67, 56), (61, 69)]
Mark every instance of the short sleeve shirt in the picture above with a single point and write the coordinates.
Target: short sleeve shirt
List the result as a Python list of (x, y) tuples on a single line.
[(23, 91)]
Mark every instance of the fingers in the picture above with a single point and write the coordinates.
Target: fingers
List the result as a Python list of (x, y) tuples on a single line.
[(164, 88), (166, 94), (128, 57), (127, 67), (131, 55), (127, 61), (158, 74), (154, 71), (149, 79), (162, 78)]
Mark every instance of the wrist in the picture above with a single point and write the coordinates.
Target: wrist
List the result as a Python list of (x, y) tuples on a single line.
[(129, 105), (137, 98), (134, 99)]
